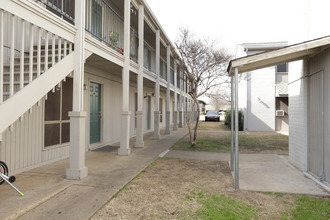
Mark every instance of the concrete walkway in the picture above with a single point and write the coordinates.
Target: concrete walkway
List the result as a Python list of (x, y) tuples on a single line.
[(262, 172), (48, 193)]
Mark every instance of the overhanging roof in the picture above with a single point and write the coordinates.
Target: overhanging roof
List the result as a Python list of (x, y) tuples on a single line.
[(280, 56)]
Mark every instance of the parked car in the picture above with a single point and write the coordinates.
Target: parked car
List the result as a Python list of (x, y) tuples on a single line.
[(222, 112), (212, 116)]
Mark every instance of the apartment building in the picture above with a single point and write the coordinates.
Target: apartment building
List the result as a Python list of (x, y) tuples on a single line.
[(265, 107), (79, 75), (309, 80)]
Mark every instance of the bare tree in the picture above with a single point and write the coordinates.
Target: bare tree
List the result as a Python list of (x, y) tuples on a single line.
[(204, 65), (220, 98)]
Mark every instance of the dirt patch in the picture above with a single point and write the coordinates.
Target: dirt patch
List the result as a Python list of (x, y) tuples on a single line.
[(172, 188), (212, 126)]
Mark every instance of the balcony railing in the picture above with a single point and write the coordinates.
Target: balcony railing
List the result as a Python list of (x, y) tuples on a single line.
[(105, 24), (62, 8)]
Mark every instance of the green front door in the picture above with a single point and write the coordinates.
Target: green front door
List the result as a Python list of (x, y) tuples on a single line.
[(95, 113)]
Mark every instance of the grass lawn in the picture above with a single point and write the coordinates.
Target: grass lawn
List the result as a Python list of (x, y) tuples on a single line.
[(252, 142), (191, 189)]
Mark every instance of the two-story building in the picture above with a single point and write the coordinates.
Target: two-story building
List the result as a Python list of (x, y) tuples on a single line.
[(80, 75), (265, 107)]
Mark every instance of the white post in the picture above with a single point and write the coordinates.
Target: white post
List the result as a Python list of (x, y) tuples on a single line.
[(46, 51), (22, 55), (12, 57), (139, 114), (232, 158), (236, 132), (184, 101), (175, 113), (181, 102), (31, 44), (39, 53), (168, 90), (77, 169), (125, 115), (157, 112), (1, 54)]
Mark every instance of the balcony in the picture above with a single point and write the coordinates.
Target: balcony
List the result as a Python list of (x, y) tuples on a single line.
[(105, 24), (62, 8)]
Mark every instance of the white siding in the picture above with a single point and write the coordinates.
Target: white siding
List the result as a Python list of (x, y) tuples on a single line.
[(298, 116), (321, 63), (22, 148)]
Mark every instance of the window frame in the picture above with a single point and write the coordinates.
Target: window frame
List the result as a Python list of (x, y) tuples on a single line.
[(61, 121)]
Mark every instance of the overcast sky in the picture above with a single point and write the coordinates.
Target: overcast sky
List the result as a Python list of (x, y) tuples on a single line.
[(232, 22)]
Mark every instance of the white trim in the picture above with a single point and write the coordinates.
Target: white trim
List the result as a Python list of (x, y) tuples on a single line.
[(88, 124), (102, 50), (272, 58)]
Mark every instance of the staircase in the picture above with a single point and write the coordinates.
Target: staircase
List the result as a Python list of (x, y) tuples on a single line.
[(33, 61), (22, 74)]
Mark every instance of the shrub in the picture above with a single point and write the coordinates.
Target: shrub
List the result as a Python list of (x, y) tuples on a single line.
[(240, 120)]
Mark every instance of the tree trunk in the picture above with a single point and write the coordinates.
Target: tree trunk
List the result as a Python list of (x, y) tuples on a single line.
[(197, 121), (188, 118)]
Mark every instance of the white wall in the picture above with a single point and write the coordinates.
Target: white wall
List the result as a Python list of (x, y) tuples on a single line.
[(261, 100), (298, 140)]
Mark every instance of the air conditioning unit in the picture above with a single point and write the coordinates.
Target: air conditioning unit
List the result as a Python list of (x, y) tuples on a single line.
[(279, 113)]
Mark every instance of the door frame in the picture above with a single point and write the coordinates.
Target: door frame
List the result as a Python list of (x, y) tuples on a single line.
[(98, 144)]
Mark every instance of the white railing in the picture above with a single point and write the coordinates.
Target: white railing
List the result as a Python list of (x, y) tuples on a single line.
[(62, 8), (26, 51), (105, 24)]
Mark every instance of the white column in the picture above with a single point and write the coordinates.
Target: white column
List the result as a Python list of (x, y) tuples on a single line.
[(168, 90), (126, 115), (181, 101), (157, 112), (77, 169), (184, 121), (236, 132), (232, 151), (139, 114), (175, 113), (1, 53)]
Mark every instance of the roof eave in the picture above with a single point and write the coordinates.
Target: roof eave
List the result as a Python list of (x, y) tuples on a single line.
[(275, 57)]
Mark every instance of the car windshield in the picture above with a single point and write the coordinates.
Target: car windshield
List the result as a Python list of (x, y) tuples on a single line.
[(212, 113)]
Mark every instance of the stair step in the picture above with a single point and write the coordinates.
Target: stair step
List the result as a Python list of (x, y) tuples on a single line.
[(35, 59), (50, 45), (18, 73), (43, 51), (17, 82), (17, 67)]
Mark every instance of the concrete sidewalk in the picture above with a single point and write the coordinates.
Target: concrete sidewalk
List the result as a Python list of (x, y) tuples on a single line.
[(48, 195), (262, 172)]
